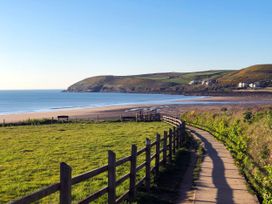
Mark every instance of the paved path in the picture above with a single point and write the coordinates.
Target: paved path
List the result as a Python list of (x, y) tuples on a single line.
[(219, 181)]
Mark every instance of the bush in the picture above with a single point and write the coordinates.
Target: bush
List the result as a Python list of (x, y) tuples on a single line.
[(248, 117)]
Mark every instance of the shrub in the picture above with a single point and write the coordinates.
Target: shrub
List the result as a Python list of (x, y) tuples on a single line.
[(248, 116)]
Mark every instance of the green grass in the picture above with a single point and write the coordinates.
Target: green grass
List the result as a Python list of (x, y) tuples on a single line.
[(187, 77), (184, 78), (30, 155)]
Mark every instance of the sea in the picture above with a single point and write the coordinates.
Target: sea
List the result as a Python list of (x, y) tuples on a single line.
[(25, 101)]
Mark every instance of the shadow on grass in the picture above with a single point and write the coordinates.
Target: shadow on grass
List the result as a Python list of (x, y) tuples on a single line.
[(165, 189)]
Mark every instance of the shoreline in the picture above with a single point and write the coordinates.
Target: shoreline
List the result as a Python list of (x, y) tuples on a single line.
[(72, 113), (115, 111)]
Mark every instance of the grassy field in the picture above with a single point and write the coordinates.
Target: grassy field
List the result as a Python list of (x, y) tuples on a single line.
[(248, 135), (185, 78), (30, 155)]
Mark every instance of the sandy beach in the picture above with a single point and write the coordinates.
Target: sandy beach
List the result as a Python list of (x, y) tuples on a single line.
[(89, 113), (113, 112)]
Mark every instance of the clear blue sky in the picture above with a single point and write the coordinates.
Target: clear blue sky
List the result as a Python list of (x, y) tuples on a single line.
[(54, 43)]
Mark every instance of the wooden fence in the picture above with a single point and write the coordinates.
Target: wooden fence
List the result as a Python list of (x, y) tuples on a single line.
[(166, 145), (142, 116)]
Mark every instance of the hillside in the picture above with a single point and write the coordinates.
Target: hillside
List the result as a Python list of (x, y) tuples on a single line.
[(155, 82), (119, 84), (250, 74), (220, 81)]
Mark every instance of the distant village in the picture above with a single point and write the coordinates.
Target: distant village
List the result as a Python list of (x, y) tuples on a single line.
[(240, 85), (202, 82)]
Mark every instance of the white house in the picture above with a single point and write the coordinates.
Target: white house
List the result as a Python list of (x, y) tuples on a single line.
[(206, 82), (193, 82), (255, 85), (242, 85)]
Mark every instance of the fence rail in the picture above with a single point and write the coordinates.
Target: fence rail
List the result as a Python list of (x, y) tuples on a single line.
[(167, 145)]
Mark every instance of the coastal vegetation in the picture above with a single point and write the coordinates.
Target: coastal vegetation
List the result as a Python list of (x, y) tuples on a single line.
[(248, 136), (30, 154), (201, 83)]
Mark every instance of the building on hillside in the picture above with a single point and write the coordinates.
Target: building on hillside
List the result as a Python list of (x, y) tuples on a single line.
[(255, 85), (206, 82), (242, 85), (193, 82)]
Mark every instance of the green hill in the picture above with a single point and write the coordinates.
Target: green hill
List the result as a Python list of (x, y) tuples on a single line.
[(221, 81), (155, 82), (185, 78), (250, 74), (119, 84)]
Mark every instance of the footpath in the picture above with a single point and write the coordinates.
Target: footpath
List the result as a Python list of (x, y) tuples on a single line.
[(219, 180)]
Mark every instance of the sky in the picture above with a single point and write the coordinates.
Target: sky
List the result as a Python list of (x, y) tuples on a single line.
[(54, 43)]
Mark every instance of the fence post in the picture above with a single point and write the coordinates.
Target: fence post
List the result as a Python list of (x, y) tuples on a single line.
[(183, 132), (157, 161), (177, 137), (180, 135), (170, 144), (174, 140), (147, 166), (111, 177), (164, 148), (65, 183), (133, 165), (176, 130)]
